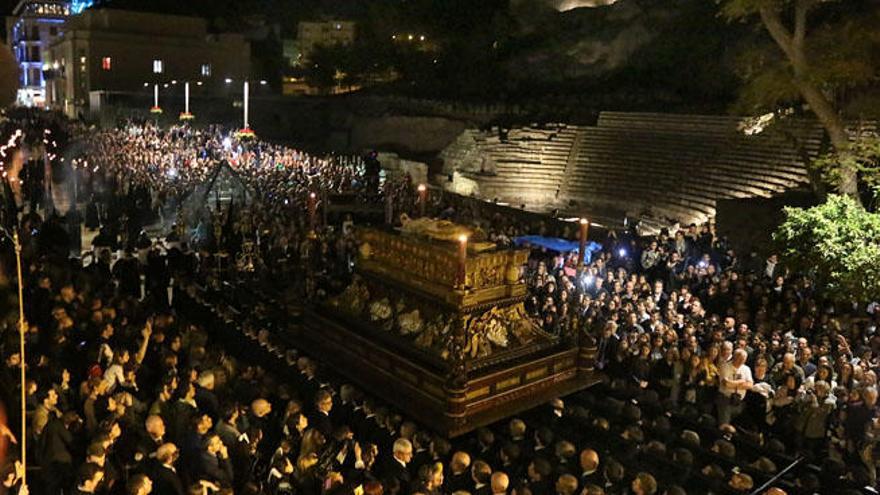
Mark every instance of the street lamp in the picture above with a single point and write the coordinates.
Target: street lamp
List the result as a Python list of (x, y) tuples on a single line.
[(246, 132), (156, 109), (186, 115)]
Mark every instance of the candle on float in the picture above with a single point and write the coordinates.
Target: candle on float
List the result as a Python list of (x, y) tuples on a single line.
[(423, 198), (462, 260), (312, 209)]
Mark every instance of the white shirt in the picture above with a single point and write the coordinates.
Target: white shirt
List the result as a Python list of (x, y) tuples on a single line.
[(114, 374), (729, 372)]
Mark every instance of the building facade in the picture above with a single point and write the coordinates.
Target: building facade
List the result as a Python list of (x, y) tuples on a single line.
[(123, 51), (33, 27), (310, 34)]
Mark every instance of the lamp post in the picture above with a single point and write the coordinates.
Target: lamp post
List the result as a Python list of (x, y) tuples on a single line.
[(245, 132), (423, 198), (156, 109), (186, 115), (246, 104), (584, 226)]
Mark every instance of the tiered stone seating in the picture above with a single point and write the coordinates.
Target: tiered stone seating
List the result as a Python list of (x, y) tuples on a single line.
[(521, 165), (648, 166), (677, 166)]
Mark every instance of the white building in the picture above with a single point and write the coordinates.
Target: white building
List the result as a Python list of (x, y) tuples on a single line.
[(32, 28)]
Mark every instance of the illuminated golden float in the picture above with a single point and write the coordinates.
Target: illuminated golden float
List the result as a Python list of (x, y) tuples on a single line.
[(434, 323)]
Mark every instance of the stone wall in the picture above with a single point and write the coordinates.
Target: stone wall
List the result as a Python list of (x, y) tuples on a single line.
[(395, 166), (415, 135)]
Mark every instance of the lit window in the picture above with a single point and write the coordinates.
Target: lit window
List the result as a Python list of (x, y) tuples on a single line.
[(338, 27), (157, 67), (106, 63), (206, 69), (82, 60)]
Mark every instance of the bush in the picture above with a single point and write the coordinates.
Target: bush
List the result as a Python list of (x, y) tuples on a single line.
[(839, 243)]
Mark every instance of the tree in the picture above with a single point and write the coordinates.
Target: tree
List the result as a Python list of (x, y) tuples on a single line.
[(863, 156), (323, 64), (826, 47), (839, 243)]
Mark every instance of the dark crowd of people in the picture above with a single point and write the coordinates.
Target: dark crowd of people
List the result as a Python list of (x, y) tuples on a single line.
[(149, 372)]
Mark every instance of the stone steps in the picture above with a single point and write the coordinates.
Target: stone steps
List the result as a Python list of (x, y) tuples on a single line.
[(663, 164)]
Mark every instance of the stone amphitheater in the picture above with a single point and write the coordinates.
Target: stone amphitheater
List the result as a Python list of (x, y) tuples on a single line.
[(655, 168)]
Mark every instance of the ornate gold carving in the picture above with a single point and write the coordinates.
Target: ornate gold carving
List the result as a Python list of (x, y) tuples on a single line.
[(535, 374), (508, 383), (432, 266), (497, 328), (477, 393), (354, 298), (380, 310)]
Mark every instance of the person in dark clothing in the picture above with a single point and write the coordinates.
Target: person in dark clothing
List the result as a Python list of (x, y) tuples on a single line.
[(164, 473), (213, 463), (127, 273)]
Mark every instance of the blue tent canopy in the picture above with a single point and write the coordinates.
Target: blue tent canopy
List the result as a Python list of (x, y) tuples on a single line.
[(557, 244)]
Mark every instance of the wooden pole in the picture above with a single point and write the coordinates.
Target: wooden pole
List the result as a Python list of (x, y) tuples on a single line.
[(21, 335), (585, 225)]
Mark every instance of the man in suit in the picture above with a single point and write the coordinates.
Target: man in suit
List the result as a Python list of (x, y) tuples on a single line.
[(539, 472), (589, 460), (607, 345), (459, 478), (165, 477), (397, 467), (481, 474), (213, 464), (151, 440), (320, 418)]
